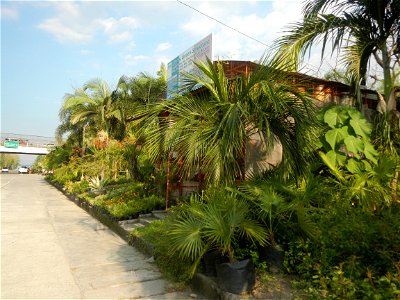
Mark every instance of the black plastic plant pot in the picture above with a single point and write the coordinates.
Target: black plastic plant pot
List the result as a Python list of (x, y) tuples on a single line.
[(211, 260), (236, 278)]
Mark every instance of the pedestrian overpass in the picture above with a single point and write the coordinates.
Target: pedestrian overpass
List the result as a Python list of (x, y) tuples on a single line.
[(25, 144)]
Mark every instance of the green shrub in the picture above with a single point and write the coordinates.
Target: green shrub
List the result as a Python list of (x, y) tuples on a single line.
[(171, 265), (357, 256), (63, 174), (124, 210), (128, 203), (78, 187), (119, 193), (363, 240)]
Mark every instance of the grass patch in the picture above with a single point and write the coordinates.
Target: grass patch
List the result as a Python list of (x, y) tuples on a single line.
[(171, 265), (126, 201)]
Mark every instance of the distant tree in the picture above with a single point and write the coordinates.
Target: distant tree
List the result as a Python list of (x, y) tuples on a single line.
[(378, 82), (338, 75), (39, 164), (10, 161), (162, 73)]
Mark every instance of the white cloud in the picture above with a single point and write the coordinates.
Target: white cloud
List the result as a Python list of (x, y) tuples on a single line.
[(112, 25), (199, 25), (80, 23), (130, 46), (118, 30), (161, 59), (9, 13), (125, 36), (109, 25), (129, 22), (163, 46), (134, 59), (64, 33), (69, 25), (230, 44), (67, 8)]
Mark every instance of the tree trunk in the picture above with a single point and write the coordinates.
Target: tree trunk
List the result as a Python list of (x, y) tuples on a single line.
[(394, 187), (391, 102), (387, 80), (133, 170)]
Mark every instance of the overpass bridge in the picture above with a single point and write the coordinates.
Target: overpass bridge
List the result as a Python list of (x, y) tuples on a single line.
[(25, 144)]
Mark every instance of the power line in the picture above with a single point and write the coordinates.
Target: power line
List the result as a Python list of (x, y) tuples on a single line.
[(23, 135), (318, 69), (222, 23)]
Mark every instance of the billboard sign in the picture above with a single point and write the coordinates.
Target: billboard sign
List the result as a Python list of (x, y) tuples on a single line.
[(184, 63)]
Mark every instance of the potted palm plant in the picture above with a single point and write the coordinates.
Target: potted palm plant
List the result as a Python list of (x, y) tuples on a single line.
[(213, 221), (278, 203)]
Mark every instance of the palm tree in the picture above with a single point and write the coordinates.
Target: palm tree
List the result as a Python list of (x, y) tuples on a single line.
[(213, 221), (358, 30), (208, 129), (91, 104), (132, 96), (88, 111), (276, 202)]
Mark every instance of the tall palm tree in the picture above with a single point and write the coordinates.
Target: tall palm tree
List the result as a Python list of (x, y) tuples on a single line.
[(88, 110), (208, 128), (358, 30), (75, 131), (133, 94), (91, 103)]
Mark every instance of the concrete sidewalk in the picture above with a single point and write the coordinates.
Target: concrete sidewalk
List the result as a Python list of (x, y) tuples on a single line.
[(52, 249)]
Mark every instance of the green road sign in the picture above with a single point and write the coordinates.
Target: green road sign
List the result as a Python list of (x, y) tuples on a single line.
[(11, 144)]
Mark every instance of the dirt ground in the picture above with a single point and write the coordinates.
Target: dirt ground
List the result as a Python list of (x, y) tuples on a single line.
[(273, 286)]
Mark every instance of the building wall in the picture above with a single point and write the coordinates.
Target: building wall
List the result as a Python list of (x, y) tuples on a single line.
[(258, 158)]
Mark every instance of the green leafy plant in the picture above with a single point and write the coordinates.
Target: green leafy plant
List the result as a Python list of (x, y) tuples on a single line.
[(277, 203), (346, 143), (97, 184), (356, 257), (171, 265), (214, 220), (77, 187), (363, 176), (131, 208), (122, 191), (66, 172)]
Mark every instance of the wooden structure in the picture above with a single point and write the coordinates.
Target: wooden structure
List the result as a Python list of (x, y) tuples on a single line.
[(323, 91)]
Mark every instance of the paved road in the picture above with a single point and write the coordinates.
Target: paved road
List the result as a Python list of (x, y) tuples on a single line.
[(52, 249)]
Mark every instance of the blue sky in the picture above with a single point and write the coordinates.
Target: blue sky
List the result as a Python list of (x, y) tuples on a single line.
[(49, 48)]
